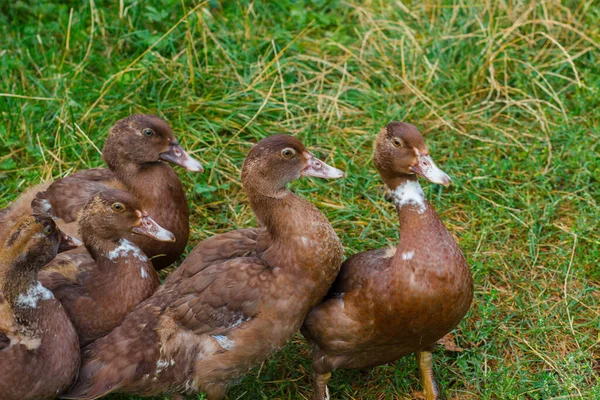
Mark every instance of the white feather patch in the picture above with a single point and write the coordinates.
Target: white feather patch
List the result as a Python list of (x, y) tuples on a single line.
[(34, 294), (46, 206), (408, 255), (163, 364), (410, 193), (125, 249), (224, 342)]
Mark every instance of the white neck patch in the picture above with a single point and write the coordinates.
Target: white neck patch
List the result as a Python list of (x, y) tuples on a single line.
[(410, 193), (125, 249), (34, 294)]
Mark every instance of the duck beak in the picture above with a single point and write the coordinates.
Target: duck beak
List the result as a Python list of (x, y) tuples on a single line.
[(148, 227), (426, 168), (319, 169), (176, 155), (67, 242)]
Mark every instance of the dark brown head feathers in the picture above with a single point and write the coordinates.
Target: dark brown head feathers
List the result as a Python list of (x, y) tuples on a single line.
[(139, 139), (32, 243), (110, 215), (272, 163), (408, 133), (397, 148)]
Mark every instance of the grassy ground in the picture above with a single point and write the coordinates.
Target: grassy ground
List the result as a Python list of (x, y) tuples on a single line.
[(507, 94)]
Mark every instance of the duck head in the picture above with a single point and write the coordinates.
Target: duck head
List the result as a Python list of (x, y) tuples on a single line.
[(142, 139), (277, 160), (400, 154), (115, 214), (33, 242)]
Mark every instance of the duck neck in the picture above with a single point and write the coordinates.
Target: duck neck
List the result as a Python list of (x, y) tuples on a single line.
[(95, 245), (108, 252), (21, 288), (18, 279), (421, 229), (410, 201), (132, 174), (125, 169), (277, 211), (98, 240), (294, 224)]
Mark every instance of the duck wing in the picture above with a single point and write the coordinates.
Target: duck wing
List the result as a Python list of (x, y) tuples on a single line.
[(220, 297), (361, 268), (65, 197), (216, 249), (64, 273)]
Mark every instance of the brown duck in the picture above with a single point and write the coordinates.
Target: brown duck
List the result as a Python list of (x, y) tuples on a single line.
[(98, 288), (235, 300), (136, 151), (39, 350), (391, 302)]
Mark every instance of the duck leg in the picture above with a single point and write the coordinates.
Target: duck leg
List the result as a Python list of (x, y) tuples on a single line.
[(425, 361), (320, 390)]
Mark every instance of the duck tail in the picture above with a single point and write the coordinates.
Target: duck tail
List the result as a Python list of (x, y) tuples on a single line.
[(40, 204)]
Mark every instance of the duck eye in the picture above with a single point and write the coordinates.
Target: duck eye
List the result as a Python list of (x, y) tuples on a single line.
[(148, 132), (288, 153), (47, 230), (118, 207), (397, 142)]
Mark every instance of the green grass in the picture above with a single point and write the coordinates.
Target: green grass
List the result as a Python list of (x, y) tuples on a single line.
[(507, 94)]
